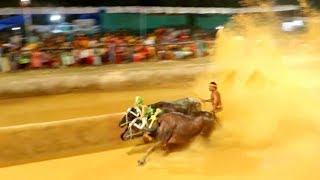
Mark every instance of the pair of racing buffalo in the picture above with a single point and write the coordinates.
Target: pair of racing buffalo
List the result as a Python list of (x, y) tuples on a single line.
[(179, 122)]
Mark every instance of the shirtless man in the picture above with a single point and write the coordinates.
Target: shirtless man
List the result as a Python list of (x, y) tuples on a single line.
[(215, 98)]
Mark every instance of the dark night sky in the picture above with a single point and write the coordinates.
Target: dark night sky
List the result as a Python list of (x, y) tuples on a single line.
[(192, 3)]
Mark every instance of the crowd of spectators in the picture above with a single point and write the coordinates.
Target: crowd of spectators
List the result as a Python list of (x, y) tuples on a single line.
[(63, 50)]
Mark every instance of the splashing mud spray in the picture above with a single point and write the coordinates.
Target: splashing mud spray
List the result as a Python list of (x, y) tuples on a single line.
[(269, 85)]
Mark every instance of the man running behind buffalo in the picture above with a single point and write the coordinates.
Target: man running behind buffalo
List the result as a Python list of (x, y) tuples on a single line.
[(215, 97)]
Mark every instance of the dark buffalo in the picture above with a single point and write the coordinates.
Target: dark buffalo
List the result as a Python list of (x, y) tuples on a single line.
[(185, 106), (179, 129)]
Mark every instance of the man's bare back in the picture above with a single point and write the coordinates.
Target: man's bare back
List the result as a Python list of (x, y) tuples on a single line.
[(215, 98), (216, 101)]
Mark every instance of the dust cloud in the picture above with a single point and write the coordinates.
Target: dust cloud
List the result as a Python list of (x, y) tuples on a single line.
[(269, 83)]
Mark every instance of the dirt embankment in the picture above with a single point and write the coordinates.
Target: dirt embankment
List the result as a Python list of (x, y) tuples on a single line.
[(41, 141), (107, 78)]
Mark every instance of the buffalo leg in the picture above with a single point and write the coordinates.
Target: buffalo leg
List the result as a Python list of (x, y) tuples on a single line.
[(142, 161)]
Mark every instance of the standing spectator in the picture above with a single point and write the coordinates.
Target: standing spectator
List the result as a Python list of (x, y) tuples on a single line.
[(112, 52), (14, 59), (98, 52), (24, 60), (36, 58), (5, 63), (67, 58), (34, 38), (1, 53), (16, 40), (200, 48)]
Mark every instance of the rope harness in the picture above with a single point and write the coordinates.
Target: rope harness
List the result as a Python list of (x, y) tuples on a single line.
[(140, 121)]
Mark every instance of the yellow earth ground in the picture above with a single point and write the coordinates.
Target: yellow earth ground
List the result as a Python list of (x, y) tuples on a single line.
[(218, 158), (248, 146), (66, 106)]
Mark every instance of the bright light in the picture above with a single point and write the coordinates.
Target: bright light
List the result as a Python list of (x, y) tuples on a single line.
[(55, 17), (25, 2), (290, 26), (298, 23), (219, 27), (287, 26), (15, 28)]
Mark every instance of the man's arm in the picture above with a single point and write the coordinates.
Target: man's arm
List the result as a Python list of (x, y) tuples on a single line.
[(205, 100)]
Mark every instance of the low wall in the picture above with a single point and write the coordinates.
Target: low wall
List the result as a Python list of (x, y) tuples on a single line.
[(106, 78), (42, 141)]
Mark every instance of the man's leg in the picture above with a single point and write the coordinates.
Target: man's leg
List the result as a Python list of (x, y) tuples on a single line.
[(147, 138), (142, 161)]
